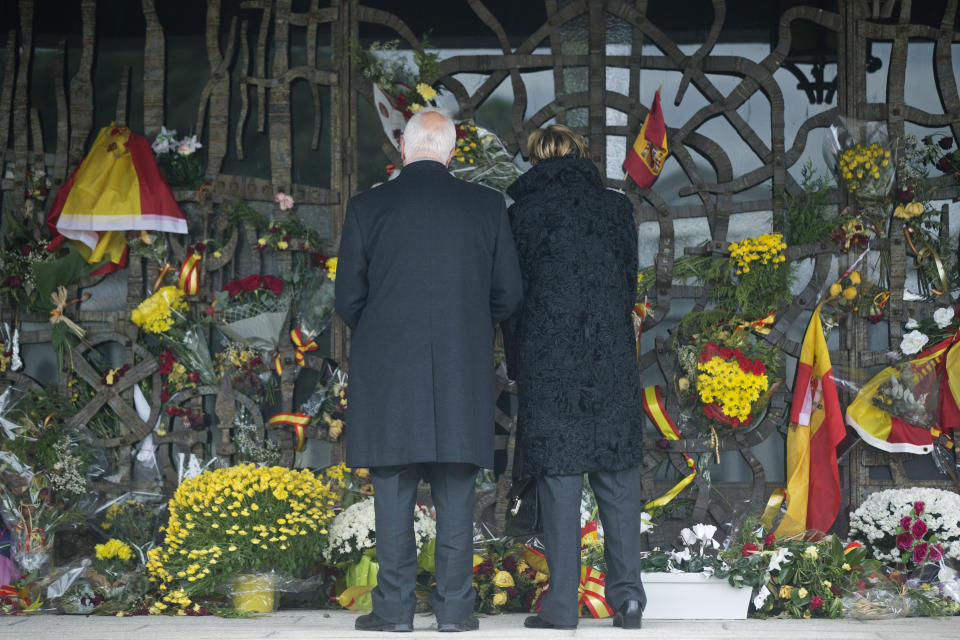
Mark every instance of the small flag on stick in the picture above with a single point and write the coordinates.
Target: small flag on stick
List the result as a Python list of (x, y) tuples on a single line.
[(646, 157)]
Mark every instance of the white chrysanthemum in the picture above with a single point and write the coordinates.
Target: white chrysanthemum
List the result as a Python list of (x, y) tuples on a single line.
[(943, 317), (875, 522), (354, 530)]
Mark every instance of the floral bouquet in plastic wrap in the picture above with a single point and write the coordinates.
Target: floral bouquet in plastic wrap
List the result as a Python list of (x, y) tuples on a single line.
[(351, 546), (315, 306), (910, 406), (327, 405), (182, 166), (863, 159), (162, 318), (482, 157), (252, 310)]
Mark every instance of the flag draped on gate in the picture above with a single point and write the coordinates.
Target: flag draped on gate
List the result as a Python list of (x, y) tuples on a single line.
[(936, 369), (816, 428), (645, 159)]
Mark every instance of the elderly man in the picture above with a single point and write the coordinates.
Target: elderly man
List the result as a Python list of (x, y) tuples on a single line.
[(427, 267)]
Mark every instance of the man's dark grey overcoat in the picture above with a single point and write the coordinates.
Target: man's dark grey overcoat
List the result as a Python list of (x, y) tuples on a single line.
[(427, 267)]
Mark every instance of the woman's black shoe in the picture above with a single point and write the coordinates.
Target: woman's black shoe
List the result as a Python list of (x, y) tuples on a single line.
[(630, 615), (536, 622)]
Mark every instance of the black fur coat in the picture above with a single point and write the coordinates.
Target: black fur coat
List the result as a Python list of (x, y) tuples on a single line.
[(570, 344)]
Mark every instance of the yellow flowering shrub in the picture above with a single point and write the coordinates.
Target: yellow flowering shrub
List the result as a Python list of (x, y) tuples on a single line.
[(155, 314), (242, 519)]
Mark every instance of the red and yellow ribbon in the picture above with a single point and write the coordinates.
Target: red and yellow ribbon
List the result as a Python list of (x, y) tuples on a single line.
[(296, 336), (653, 405), (164, 270), (640, 312), (189, 278), (299, 423), (591, 593), (278, 364)]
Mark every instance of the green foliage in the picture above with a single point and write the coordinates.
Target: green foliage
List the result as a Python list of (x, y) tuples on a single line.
[(805, 219)]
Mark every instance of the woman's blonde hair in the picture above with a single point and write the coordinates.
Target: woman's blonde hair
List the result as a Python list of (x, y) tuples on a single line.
[(556, 141)]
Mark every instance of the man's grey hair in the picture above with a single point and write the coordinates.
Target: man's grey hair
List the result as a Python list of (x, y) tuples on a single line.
[(428, 141)]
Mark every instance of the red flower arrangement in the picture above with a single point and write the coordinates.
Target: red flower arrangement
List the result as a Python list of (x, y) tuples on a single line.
[(253, 283)]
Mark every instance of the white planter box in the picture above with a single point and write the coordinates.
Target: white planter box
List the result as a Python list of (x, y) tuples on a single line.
[(693, 596)]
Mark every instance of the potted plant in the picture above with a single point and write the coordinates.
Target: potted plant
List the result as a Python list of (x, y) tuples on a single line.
[(241, 520)]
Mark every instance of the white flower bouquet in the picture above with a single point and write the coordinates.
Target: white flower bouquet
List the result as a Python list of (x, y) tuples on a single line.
[(353, 532), (877, 523)]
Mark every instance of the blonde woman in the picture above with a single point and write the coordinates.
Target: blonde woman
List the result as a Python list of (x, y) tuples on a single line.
[(570, 347)]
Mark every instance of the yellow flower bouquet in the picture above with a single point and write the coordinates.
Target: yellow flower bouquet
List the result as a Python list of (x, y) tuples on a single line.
[(242, 519), (864, 162)]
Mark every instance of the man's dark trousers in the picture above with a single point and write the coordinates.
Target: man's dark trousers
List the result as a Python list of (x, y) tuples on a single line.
[(395, 493)]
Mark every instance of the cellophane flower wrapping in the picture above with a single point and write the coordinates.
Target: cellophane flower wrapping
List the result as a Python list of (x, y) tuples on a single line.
[(316, 303), (864, 161), (482, 157), (256, 318)]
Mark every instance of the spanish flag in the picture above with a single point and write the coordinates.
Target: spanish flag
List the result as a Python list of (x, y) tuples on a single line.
[(816, 428), (649, 152), (936, 370)]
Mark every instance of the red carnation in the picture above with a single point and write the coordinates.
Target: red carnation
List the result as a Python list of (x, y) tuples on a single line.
[(904, 541), (250, 283), (758, 368), (726, 353), (936, 553), (815, 603), (770, 539), (743, 362), (167, 359), (919, 529), (920, 552), (918, 507), (749, 548), (509, 563), (905, 523)]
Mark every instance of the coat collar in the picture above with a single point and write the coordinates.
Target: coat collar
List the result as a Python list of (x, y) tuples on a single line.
[(424, 167), (554, 172)]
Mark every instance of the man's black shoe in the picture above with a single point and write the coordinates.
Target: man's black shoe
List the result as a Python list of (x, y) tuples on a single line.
[(373, 622), (536, 622), (630, 615), (470, 624)]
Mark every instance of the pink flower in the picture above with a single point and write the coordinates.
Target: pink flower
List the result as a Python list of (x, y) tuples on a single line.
[(905, 523), (904, 541), (285, 201), (936, 553), (918, 507), (920, 552), (918, 529)]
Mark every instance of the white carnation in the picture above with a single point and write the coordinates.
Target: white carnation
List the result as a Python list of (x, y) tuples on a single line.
[(943, 317)]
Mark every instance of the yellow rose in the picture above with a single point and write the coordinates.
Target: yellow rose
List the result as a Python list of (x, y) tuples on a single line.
[(540, 578), (500, 598), (415, 107), (850, 293), (802, 593), (262, 242), (854, 277), (785, 591), (282, 245), (811, 552), (845, 567), (914, 209), (835, 289), (503, 579)]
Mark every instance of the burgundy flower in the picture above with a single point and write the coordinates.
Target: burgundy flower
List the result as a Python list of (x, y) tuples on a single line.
[(12, 281), (944, 164), (904, 541), (835, 590), (509, 563), (26, 250), (748, 548), (250, 283), (770, 539), (164, 395), (918, 507), (194, 377), (233, 288), (920, 552), (513, 592), (167, 359), (905, 523), (401, 101), (317, 259), (286, 237), (946, 142), (875, 318), (905, 195), (485, 568), (273, 284), (200, 247), (663, 443), (936, 553), (919, 529), (815, 603)]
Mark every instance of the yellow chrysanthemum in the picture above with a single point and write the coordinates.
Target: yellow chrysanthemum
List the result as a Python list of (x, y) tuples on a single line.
[(426, 91)]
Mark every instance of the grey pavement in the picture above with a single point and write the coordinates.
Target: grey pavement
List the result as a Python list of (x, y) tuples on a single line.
[(302, 624)]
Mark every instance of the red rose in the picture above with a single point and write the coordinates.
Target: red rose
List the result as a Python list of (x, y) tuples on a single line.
[(194, 377), (770, 539), (233, 288), (749, 548), (920, 552), (166, 362), (904, 540), (273, 284), (250, 283)]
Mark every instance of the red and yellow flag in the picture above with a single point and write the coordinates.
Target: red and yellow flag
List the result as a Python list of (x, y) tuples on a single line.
[(646, 158), (816, 428), (936, 368)]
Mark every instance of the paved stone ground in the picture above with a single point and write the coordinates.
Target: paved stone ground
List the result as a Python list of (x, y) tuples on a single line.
[(302, 625)]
